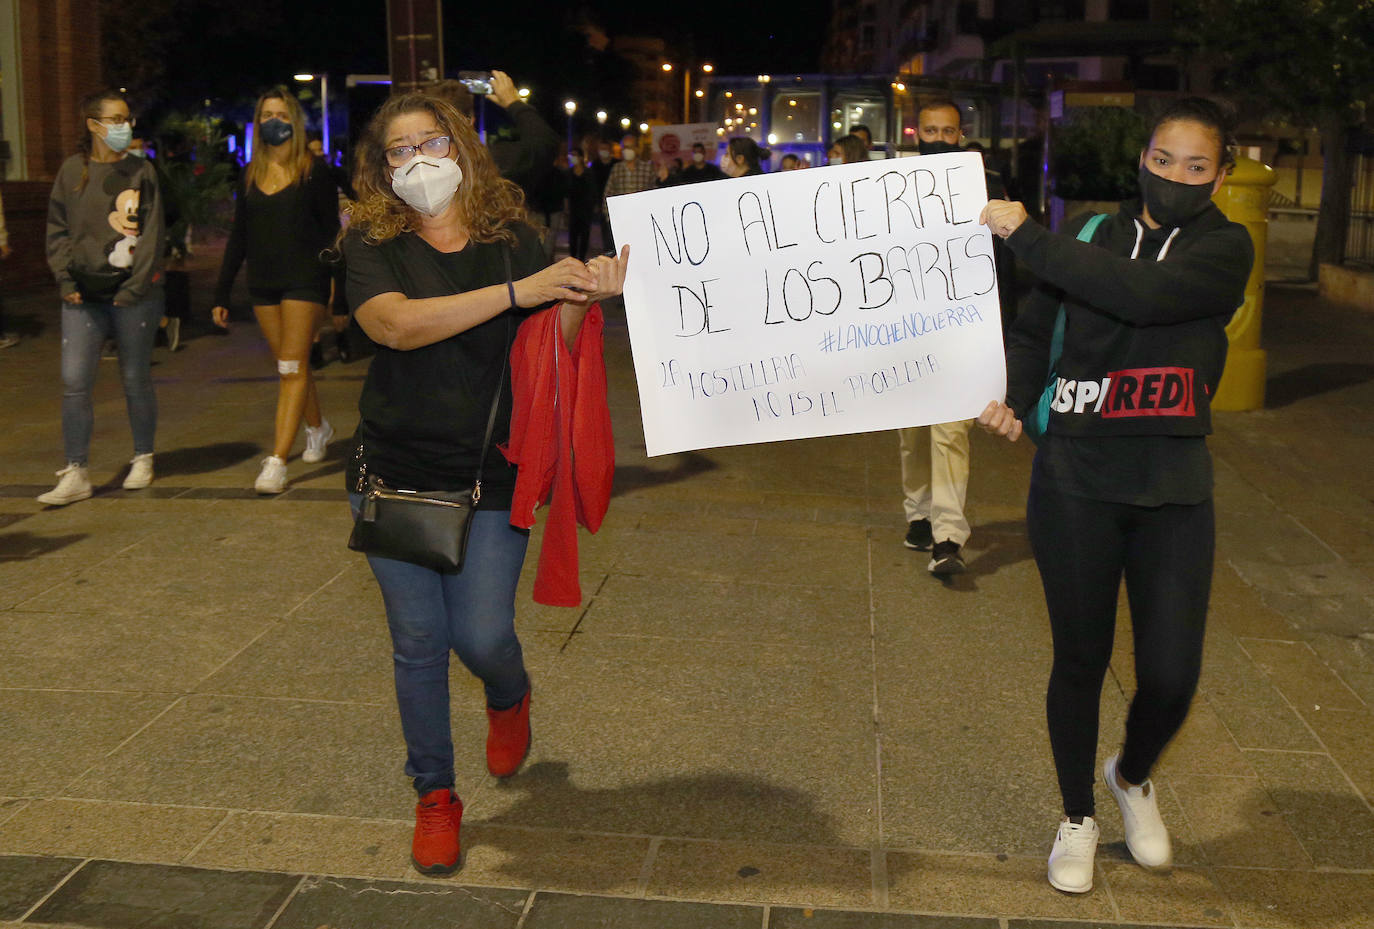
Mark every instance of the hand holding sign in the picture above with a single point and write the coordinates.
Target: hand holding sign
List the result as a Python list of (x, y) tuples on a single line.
[(847, 299)]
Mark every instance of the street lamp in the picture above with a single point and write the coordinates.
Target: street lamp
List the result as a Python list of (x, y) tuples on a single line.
[(601, 117), (306, 78), (570, 107), (624, 122)]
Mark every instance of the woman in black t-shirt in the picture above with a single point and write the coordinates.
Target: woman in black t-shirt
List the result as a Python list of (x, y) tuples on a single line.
[(1122, 482), (426, 256), (286, 214)]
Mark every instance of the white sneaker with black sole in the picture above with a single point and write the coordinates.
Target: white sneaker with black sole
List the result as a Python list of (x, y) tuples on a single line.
[(317, 441), (1071, 859), (1146, 836)]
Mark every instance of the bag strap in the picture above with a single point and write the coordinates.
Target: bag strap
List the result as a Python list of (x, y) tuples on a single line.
[(1057, 338), (501, 379)]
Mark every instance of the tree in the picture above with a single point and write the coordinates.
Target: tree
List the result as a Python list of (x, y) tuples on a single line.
[(1307, 61)]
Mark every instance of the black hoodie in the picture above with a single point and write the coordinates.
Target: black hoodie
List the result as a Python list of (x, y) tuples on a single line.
[(1144, 347)]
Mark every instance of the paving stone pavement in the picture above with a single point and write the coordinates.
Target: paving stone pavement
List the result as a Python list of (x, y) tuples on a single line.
[(765, 713)]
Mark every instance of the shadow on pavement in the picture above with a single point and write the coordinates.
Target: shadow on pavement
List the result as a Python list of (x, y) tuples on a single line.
[(22, 546), (204, 458), (1314, 380), (638, 477), (725, 807)]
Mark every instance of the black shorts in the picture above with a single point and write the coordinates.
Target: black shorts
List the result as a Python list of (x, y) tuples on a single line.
[(317, 292)]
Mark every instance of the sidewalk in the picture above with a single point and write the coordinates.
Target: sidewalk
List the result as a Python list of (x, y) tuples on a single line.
[(765, 714)]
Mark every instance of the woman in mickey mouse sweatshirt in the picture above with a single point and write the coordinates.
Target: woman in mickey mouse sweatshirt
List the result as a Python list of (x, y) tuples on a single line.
[(1122, 481), (104, 245)]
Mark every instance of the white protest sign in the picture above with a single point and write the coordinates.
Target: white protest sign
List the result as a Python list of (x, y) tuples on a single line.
[(676, 141), (843, 299)]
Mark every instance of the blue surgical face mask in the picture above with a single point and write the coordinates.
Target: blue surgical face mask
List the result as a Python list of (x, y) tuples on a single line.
[(275, 131), (119, 137)]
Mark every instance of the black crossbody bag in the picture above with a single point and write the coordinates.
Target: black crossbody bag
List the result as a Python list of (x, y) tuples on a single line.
[(429, 528)]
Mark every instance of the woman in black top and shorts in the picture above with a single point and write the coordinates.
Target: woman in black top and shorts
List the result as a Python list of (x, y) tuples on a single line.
[(1122, 482), (286, 214), (426, 252)]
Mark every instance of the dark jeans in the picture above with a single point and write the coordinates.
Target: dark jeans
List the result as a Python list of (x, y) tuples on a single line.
[(1083, 548), (471, 613), (84, 327)]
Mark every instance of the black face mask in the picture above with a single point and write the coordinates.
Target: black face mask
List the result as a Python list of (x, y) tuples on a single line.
[(1169, 202), (936, 148), (275, 131)]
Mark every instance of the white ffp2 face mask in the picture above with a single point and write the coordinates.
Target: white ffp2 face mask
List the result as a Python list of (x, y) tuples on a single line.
[(427, 184)]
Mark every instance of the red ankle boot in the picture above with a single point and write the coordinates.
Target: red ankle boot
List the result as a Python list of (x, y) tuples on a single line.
[(435, 848), (508, 737)]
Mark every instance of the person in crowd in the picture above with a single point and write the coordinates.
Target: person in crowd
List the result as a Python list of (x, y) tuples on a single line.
[(630, 174), (668, 173), (550, 204), (584, 199), (1121, 485), (7, 339), (285, 216), (337, 173), (864, 135), (633, 172), (701, 169), (426, 253), (105, 247), (791, 162), (744, 157), (526, 153), (339, 316), (935, 480), (601, 170), (847, 150)]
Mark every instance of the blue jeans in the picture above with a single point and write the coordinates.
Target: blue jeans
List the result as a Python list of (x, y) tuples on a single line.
[(84, 327), (471, 613)]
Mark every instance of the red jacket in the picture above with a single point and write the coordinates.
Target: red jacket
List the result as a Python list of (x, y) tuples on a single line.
[(560, 439)]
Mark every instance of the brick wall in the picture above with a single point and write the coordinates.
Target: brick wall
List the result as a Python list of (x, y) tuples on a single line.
[(26, 218), (59, 54)]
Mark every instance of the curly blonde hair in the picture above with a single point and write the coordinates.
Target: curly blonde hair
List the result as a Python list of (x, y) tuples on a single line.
[(488, 205)]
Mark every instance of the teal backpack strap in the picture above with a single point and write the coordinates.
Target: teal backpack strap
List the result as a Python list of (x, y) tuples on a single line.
[(1038, 420)]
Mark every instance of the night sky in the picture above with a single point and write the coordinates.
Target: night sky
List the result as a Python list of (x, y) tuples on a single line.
[(739, 38)]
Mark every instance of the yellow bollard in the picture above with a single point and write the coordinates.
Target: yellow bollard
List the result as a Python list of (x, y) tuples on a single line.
[(1244, 198)]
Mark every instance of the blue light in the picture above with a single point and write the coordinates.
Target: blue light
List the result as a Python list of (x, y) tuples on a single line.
[(233, 141), (247, 142)]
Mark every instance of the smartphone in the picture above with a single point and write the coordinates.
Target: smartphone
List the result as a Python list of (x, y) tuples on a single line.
[(477, 82)]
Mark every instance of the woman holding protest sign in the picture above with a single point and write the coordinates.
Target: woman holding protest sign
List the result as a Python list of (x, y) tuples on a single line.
[(1122, 481), (438, 251)]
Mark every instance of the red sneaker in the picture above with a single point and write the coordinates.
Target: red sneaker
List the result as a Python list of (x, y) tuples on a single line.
[(508, 737), (435, 848)]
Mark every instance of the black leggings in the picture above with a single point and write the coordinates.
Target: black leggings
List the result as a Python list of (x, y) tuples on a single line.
[(1082, 548)]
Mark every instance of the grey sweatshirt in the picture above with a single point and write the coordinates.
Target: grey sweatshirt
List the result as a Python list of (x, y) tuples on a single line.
[(112, 223)]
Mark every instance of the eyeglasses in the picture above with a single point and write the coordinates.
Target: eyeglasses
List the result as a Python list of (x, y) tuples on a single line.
[(117, 120), (437, 147)]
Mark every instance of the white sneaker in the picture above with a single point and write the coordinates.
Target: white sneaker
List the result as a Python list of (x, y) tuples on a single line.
[(1146, 836), (1071, 859), (74, 485), (316, 439), (272, 477), (140, 472)]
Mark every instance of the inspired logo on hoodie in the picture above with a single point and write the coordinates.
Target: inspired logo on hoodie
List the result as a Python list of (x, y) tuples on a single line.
[(1134, 392)]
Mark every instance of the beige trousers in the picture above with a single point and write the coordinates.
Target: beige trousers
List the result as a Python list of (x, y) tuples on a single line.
[(935, 481)]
